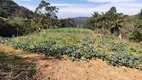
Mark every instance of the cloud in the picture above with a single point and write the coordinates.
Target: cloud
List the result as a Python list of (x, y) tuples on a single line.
[(75, 10), (79, 10), (23, 0), (129, 7), (31, 7), (59, 5), (112, 1)]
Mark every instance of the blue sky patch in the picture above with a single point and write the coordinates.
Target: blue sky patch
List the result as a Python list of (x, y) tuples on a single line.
[(78, 8)]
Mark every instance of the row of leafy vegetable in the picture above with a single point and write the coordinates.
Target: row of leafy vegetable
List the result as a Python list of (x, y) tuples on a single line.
[(83, 51)]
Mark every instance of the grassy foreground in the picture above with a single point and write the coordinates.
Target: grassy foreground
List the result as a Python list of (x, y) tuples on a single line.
[(13, 67)]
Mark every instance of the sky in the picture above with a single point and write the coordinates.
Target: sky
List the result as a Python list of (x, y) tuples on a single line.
[(85, 8)]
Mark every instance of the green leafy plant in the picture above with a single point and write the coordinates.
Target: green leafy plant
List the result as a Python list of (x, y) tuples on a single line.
[(125, 59), (118, 47)]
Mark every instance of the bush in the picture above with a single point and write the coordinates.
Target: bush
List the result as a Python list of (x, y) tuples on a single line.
[(135, 36)]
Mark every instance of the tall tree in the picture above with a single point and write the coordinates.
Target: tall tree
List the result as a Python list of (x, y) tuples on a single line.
[(111, 20), (45, 14)]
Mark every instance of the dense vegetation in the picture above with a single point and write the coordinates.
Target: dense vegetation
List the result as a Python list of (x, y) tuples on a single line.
[(112, 22), (18, 20)]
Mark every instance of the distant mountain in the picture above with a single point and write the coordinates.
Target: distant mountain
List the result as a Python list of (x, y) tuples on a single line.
[(80, 20)]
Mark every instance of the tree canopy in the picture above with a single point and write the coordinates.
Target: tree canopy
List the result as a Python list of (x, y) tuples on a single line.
[(45, 14), (110, 20)]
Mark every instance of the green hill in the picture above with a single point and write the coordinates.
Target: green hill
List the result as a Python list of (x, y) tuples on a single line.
[(10, 8), (13, 16)]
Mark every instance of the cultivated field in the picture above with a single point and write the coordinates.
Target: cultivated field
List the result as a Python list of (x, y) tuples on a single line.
[(77, 52)]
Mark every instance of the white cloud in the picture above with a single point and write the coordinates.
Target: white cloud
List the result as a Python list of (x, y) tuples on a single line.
[(59, 5), (31, 7), (74, 11), (23, 0), (129, 7), (112, 1)]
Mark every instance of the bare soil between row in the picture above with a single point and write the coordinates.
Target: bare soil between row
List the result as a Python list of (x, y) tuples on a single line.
[(64, 69)]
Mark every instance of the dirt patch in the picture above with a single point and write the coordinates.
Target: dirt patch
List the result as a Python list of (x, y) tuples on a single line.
[(79, 70), (92, 70), (21, 53)]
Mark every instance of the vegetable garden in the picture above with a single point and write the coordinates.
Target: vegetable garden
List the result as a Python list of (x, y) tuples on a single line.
[(79, 44)]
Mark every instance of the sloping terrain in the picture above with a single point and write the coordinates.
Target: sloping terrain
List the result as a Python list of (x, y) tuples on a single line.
[(77, 54), (64, 69)]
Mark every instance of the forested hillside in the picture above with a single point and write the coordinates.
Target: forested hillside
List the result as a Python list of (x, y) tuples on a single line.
[(12, 16), (17, 20), (9, 8)]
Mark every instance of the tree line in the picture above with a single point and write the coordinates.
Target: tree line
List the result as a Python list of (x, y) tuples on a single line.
[(114, 23), (17, 20)]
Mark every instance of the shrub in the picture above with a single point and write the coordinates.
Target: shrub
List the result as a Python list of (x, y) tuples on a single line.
[(135, 36)]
